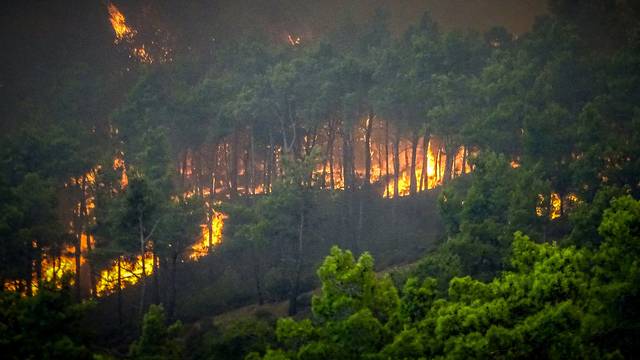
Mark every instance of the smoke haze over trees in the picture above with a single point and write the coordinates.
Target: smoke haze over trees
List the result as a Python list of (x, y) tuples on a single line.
[(319, 179)]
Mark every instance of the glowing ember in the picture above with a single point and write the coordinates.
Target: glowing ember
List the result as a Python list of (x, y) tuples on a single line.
[(142, 55), (204, 243), (293, 40)]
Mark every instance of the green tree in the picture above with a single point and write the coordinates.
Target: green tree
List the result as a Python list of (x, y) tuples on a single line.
[(157, 340), (48, 325)]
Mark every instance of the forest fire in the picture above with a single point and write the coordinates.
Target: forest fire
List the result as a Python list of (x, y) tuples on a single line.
[(211, 234), (293, 40), (123, 272), (125, 33), (119, 165), (556, 206), (119, 24)]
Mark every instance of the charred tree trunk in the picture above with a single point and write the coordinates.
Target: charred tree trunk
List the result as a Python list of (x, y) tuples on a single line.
[(119, 290), (332, 135), (464, 160), (450, 150), (438, 166), (347, 157), (143, 277), (367, 150), (386, 158), (172, 292), (234, 164), (396, 166), (252, 165), (414, 155), (272, 163), (84, 212), (156, 282), (424, 174), (29, 268), (77, 255)]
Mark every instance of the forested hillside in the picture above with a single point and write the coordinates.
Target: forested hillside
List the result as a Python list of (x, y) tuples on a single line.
[(494, 177)]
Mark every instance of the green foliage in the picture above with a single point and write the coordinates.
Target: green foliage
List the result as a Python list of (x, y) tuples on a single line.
[(349, 286), (157, 341), (48, 325), (481, 213), (557, 302)]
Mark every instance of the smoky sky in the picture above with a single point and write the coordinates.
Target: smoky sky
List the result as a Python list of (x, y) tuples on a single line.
[(41, 37)]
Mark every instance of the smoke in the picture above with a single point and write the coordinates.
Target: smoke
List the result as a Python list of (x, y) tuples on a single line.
[(39, 38), (223, 18)]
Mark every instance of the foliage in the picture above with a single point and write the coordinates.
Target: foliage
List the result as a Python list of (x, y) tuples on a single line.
[(48, 325), (157, 341), (557, 302)]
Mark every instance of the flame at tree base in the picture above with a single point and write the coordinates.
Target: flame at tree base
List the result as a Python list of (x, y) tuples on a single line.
[(130, 273), (208, 239)]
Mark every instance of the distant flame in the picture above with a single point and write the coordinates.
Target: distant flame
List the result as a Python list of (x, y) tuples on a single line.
[(141, 54), (293, 40), (119, 24), (127, 34), (119, 164)]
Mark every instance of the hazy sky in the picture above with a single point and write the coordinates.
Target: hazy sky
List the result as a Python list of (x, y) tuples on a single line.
[(39, 37)]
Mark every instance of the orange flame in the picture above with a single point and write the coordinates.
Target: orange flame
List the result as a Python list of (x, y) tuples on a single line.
[(126, 33), (130, 274), (119, 24), (203, 246)]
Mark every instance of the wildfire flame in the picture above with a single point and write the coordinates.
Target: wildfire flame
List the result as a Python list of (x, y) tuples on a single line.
[(293, 40), (119, 24), (127, 34), (556, 204), (130, 273), (203, 245)]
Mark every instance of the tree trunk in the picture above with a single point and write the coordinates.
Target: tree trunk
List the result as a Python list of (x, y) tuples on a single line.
[(119, 290), (438, 166), (172, 292), (367, 150), (450, 150), (332, 135), (29, 269), (271, 164), (257, 274), (414, 155), (295, 286), (85, 213), (396, 166), (464, 160), (424, 175), (252, 165), (183, 172), (143, 277), (347, 157), (386, 159), (234, 164), (156, 282), (77, 255)]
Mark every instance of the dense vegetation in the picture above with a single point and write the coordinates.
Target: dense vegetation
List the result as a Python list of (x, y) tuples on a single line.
[(522, 236)]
